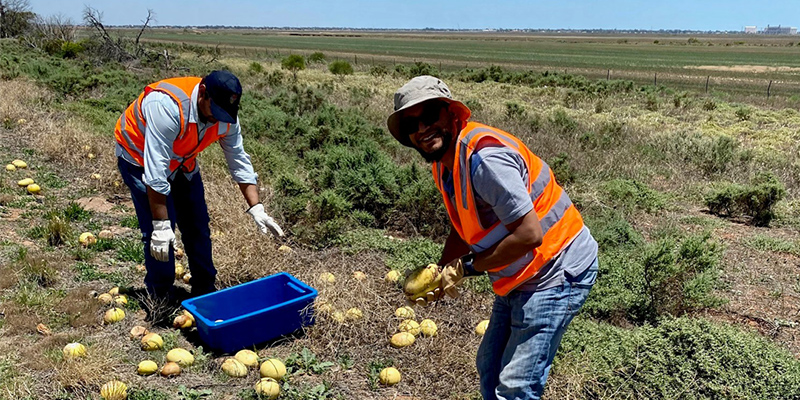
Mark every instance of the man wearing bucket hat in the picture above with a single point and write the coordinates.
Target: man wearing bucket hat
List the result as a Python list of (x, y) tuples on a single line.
[(158, 139), (509, 218)]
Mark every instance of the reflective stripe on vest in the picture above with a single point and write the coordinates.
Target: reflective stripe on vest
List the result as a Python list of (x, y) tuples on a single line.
[(130, 128), (560, 220)]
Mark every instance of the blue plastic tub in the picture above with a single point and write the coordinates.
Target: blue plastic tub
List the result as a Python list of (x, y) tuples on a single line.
[(253, 312)]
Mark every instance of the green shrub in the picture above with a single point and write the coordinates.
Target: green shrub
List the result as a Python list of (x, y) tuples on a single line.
[(562, 122), (515, 110), (743, 113), (340, 68), (630, 194), (71, 49), (294, 63), (316, 57), (562, 169), (74, 212), (378, 70), (755, 200), (643, 282), (651, 102), (680, 358), (255, 67)]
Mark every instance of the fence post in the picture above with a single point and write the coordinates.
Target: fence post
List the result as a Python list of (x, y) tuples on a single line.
[(707, 78), (655, 79), (356, 59), (608, 75), (768, 88)]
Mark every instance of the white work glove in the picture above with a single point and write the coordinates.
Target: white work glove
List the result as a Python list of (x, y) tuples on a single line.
[(161, 238), (264, 221)]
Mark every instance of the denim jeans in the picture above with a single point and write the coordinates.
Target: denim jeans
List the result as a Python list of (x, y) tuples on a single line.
[(524, 332), (186, 205)]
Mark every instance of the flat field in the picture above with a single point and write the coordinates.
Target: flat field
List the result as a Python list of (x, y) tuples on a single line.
[(738, 63)]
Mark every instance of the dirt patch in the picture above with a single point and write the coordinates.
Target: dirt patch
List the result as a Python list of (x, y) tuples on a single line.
[(759, 69), (96, 204)]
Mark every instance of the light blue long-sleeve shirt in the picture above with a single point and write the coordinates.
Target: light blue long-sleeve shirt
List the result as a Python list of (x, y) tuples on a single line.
[(162, 128)]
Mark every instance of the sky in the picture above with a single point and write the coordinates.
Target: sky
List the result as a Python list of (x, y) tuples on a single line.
[(442, 14)]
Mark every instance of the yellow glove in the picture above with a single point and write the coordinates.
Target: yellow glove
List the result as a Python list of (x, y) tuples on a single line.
[(452, 276)]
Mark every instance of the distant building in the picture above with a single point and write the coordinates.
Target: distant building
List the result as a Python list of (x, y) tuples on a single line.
[(780, 30), (751, 29)]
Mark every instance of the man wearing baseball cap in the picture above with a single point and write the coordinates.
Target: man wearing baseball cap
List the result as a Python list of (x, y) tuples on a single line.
[(510, 219), (158, 139)]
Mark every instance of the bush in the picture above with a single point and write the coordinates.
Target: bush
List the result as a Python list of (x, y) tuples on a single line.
[(743, 113), (680, 358), (255, 67), (294, 63), (562, 122), (630, 194), (562, 170), (755, 200), (316, 57), (341, 68), (642, 282), (378, 70), (515, 110), (71, 49)]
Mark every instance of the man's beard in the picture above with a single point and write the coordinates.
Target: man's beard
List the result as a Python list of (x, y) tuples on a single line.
[(437, 155)]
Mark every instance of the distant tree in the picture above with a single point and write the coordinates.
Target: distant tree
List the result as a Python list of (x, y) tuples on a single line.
[(294, 63), (340, 68), (316, 57), (15, 17)]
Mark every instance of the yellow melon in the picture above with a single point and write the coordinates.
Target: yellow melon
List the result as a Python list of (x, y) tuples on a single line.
[(428, 328), (74, 350), (247, 357), (353, 314), (389, 376), (268, 388), (33, 188), (114, 315), (137, 332), (114, 390), (405, 312), (25, 182), (152, 341), (181, 357), (480, 330), (273, 368), (171, 369), (402, 339), (392, 277), (105, 298), (19, 164), (234, 368), (410, 326), (147, 367)]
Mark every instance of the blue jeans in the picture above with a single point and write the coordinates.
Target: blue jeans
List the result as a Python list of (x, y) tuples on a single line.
[(186, 205), (524, 332)]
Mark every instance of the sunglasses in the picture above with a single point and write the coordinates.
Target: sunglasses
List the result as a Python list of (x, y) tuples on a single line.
[(428, 116)]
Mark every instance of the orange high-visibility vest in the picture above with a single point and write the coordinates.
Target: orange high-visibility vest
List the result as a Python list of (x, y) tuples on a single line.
[(130, 128), (561, 222)]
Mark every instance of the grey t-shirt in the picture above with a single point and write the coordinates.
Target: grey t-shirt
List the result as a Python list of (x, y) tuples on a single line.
[(499, 177)]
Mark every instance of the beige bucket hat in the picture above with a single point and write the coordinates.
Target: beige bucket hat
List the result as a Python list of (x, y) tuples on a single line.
[(418, 90)]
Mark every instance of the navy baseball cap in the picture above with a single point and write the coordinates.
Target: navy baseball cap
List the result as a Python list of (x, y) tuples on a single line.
[(225, 91)]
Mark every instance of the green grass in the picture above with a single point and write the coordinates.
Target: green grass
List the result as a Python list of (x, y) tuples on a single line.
[(130, 250), (766, 243)]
